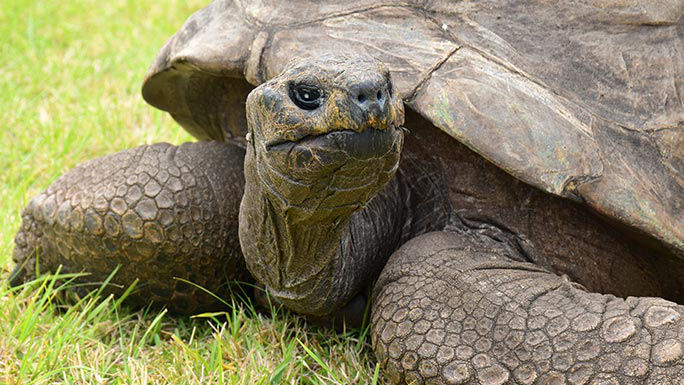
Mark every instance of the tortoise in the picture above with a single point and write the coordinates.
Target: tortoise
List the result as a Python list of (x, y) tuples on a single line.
[(520, 222)]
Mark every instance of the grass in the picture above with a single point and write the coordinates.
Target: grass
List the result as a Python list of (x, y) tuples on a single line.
[(70, 91)]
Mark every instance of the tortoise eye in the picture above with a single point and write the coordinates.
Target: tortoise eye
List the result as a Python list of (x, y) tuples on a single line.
[(305, 96)]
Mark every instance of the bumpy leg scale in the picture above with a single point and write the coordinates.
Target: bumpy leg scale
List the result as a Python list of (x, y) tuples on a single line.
[(454, 309), (158, 212)]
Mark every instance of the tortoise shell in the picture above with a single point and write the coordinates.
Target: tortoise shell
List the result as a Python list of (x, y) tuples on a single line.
[(579, 98)]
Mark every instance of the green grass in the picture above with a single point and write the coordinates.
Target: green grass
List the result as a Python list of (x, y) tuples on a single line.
[(70, 91)]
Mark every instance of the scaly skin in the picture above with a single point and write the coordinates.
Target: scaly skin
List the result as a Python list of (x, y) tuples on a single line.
[(160, 212), (454, 308)]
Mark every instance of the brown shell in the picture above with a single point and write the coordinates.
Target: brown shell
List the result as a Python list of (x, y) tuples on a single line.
[(580, 98)]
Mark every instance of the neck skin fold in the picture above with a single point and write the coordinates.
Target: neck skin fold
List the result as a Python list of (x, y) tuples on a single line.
[(315, 260)]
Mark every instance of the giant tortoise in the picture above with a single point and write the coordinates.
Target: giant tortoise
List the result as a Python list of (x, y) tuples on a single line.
[(518, 227)]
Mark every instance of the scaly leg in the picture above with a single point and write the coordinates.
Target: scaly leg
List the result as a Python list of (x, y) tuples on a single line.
[(159, 212), (455, 309)]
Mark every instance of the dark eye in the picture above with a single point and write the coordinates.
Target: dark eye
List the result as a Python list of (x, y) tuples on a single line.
[(305, 96)]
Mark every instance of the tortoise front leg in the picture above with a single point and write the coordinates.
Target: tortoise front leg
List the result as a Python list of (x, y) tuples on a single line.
[(454, 309), (159, 212)]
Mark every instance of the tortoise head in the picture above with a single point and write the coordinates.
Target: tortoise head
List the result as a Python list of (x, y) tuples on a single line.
[(324, 137), (326, 133)]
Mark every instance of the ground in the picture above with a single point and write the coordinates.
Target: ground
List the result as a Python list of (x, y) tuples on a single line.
[(70, 91)]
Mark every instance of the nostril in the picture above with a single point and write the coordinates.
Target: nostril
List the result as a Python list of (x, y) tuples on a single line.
[(361, 98), (379, 95)]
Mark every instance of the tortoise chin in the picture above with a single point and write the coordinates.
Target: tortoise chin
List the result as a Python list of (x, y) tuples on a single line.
[(339, 169)]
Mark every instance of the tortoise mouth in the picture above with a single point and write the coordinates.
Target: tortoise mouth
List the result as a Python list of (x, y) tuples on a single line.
[(350, 163), (370, 143)]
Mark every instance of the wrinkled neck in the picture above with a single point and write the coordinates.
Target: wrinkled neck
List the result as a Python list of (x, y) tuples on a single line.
[(315, 262), (294, 249)]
